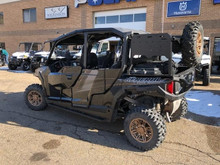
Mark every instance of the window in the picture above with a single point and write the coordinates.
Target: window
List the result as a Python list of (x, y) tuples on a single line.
[(112, 19), (217, 46), (1, 18), (126, 18), (216, 56), (99, 20), (36, 46), (140, 17), (29, 15), (104, 47), (2, 45)]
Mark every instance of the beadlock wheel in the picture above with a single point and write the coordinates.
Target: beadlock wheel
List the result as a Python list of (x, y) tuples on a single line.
[(199, 42), (144, 128), (34, 98), (141, 130)]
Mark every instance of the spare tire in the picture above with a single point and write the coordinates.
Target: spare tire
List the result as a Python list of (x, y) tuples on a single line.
[(192, 43)]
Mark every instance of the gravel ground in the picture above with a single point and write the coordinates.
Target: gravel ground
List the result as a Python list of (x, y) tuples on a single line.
[(59, 137)]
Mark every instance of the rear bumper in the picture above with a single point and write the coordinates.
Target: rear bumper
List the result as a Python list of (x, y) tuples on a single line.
[(170, 96), (183, 82)]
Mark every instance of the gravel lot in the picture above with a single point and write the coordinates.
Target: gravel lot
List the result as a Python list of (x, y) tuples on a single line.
[(59, 137)]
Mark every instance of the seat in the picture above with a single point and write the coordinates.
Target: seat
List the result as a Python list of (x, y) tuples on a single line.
[(108, 60), (92, 61)]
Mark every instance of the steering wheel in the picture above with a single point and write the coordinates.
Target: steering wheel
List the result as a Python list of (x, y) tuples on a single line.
[(58, 65)]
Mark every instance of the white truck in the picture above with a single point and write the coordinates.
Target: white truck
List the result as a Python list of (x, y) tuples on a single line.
[(203, 68)]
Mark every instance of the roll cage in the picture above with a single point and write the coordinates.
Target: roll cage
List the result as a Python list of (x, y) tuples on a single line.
[(86, 36)]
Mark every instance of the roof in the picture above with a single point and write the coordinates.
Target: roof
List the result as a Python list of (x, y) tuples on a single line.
[(30, 43), (119, 31)]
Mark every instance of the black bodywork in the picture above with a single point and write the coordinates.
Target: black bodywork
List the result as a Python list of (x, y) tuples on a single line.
[(144, 69), (37, 61)]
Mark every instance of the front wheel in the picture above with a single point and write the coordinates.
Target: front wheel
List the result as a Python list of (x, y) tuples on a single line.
[(144, 128), (35, 98), (12, 66)]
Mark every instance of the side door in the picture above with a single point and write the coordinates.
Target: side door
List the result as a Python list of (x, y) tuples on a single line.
[(96, 78), (64, 73), (90, 82)]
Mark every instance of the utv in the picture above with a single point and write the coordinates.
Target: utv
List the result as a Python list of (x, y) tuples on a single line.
[(23, 56), (39, 58), (142, 85)]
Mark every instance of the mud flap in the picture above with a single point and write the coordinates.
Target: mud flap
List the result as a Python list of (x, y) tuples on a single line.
[(172, 106)]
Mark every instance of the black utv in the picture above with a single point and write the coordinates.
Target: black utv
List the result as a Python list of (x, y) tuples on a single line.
[(140, 83)]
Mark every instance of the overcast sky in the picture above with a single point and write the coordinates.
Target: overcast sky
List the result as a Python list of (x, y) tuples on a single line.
[(6, 1)]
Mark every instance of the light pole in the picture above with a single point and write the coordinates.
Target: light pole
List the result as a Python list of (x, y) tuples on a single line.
[(162, 28)]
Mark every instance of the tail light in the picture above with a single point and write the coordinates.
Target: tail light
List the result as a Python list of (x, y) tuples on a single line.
[(170, 87)]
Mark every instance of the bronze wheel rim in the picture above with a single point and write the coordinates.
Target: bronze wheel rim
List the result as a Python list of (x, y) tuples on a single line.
[(141, 130), (34, 98), (199, 44)]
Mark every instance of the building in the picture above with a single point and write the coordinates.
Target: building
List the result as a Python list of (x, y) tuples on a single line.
[(41, 20)]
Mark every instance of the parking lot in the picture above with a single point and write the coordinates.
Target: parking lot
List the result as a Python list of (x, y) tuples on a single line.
[(59, 137)]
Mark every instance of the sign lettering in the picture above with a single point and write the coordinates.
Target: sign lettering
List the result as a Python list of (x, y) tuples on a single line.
[(98, 2), (56, 12), (183, 8), (216, 1)]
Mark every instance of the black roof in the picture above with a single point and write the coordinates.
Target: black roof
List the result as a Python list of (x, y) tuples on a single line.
[(30, 43), (119, 31)]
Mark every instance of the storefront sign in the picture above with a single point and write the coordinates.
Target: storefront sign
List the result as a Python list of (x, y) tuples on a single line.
[(98, 2), (183, 8), (56, 12), (216, 1)]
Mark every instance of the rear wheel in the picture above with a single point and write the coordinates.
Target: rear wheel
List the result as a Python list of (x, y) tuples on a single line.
[(144, 128), (181, 111), (35, 98), (206, 77), (25, 66), (192, 43)]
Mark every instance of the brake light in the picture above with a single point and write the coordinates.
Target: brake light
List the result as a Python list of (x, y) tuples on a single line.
[(170, 87)]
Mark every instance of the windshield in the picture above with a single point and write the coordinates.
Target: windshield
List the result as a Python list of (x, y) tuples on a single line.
[(27, 47), (66, 51)]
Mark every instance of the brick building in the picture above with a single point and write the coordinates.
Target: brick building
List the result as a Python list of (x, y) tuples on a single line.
[(40, 20)]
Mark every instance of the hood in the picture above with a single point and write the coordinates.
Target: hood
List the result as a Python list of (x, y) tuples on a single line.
[(21, 54), (43, 53), (177, 57), (206, 59)]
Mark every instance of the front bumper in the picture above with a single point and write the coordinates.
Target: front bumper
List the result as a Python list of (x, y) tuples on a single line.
[(15, 61)]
